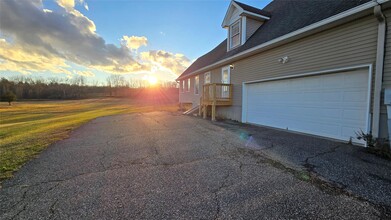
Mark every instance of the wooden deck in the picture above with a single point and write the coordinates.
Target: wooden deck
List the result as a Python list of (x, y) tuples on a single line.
[(215, 94)]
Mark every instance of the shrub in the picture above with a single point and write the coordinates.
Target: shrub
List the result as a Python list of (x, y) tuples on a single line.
[(378, 146), (8, 97)]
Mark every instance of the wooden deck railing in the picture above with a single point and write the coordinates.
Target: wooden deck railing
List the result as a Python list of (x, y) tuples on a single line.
[(219, 92), (215, 94)]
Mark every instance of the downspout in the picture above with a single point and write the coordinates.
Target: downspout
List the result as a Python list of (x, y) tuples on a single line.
[(381, 36)]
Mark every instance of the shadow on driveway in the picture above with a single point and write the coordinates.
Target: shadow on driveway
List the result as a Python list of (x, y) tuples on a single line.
[(346, 167)]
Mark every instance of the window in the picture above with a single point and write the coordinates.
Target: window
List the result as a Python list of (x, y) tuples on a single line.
[(196, 85), (188, 85), (182, 85), (207, 78), (225, 79), (234, 34)]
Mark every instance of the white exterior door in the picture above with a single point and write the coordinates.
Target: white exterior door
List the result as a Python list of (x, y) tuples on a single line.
[(330, 105), (225, 79)]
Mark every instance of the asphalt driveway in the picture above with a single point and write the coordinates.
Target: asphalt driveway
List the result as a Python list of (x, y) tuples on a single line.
[(168, 166)]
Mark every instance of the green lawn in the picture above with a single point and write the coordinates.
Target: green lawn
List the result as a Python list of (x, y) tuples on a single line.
[(26, 128)]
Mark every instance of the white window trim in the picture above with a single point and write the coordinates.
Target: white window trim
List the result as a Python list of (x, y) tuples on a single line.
[(182, 85), (210, 77), (188, 85), (244, 30), (195, 85), (230, 37), (229, 73)]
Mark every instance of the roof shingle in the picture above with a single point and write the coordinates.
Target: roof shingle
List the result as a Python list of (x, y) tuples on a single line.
[(286, 16), (253, 9)]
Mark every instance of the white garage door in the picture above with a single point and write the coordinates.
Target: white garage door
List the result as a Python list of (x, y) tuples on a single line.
[(330, 105)]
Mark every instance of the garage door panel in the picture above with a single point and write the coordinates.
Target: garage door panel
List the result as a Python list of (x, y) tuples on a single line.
[(333, 82), (332, 105), (332, 96), (307, 126), (360, 79), (355, 115), (353, 96)]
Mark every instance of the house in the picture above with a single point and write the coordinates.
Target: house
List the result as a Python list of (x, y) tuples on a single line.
[(311, 66)]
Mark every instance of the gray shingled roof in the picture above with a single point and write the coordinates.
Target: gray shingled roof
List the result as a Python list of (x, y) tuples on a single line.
[(286, 16), (253, 9)]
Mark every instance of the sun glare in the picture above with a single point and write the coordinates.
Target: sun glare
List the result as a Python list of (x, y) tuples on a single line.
[(152, 80)]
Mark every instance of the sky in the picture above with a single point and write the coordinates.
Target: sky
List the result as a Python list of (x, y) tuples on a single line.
[(97, 38)]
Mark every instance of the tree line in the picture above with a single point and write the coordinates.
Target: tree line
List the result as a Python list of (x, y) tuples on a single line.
[(76, 88)]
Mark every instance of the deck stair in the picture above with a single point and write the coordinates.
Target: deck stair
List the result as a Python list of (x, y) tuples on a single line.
[(192, 110)]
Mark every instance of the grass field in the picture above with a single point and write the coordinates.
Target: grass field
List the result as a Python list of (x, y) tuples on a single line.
[(26, 128)]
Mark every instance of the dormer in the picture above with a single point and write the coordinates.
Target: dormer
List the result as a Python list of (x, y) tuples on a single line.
[(241, 21)]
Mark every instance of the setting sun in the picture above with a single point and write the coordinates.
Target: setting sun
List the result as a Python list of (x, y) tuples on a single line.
[(152, 80)]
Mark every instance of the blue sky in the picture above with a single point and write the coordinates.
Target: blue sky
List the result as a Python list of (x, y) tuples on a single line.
[(180, 30)]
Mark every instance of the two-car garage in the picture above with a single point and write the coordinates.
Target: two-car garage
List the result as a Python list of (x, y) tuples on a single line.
[(330, 104)]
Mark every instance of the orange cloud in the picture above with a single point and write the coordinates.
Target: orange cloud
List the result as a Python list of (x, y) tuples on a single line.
[(173, 63), (40, 40), (20, 59)]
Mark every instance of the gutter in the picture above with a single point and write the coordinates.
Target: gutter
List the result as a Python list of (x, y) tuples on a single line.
[(381, 39), (293, 34)]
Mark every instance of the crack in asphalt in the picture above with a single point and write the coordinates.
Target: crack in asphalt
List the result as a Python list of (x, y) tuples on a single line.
[(52, 210), (103, 157), (24, 197), (320, 183), (132, 163), (236, 154), (310, 168), (216, 192), (330, 187), (332, 150), (387, 180), (155, 120), (327, 186), (20, 211), (20, 200)]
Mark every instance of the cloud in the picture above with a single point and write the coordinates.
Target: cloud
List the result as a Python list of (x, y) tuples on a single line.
[(134, 42), (70, 4), (34, 39), (21, 59), (65, 35), (67, 4), (175, 63), (86, 73)]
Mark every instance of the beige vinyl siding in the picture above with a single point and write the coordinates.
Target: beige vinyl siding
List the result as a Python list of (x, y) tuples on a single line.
[(196, 98), (215, 76), (386, 76), (347, 45), (251, 26), (187, 96), (387, 61), (190, 97), (351, 44)]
